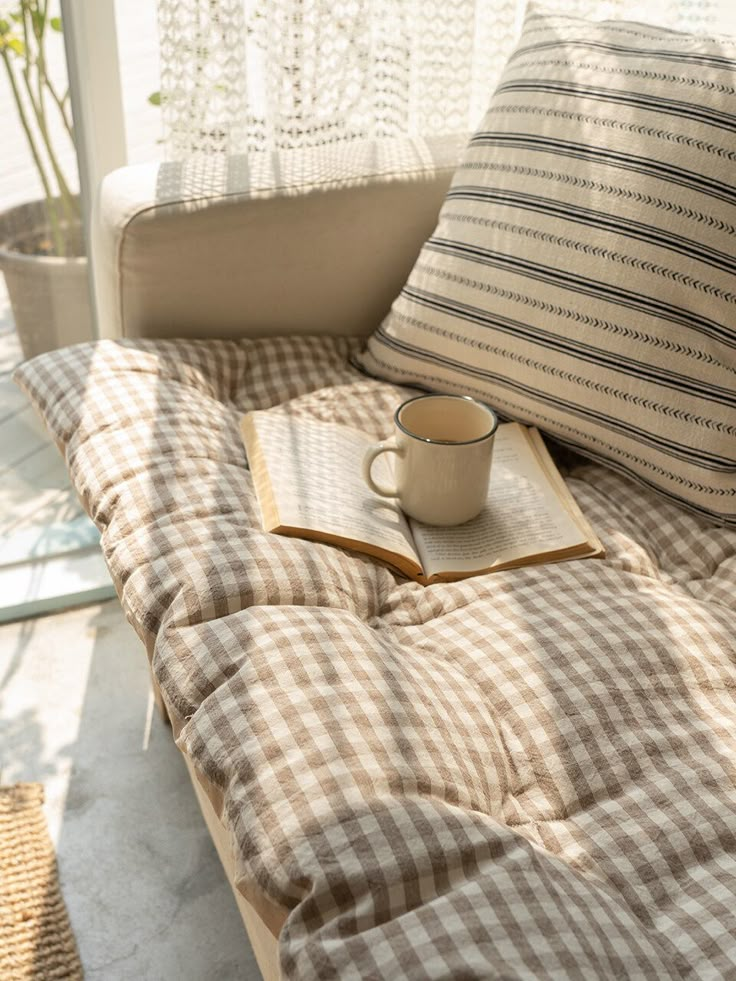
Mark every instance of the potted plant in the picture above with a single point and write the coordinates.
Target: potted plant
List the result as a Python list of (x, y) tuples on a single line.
[(41, 242)]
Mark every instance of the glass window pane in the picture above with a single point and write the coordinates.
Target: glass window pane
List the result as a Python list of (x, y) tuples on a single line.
[(44, 303)]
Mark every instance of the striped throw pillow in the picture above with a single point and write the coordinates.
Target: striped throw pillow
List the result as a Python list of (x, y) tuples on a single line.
[(581, 277)]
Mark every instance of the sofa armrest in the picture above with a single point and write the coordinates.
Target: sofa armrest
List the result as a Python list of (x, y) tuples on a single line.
[(317, 241)]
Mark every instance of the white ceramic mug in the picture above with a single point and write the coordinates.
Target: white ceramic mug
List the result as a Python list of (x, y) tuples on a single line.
[(443, 445)]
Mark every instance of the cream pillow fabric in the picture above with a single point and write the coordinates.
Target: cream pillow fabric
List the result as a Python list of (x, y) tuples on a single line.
[(581, 276)]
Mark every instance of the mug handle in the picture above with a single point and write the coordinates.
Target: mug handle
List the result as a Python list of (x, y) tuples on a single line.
[(388, 446)]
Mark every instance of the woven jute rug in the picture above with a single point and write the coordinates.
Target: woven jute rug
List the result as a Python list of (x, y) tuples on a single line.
[(36, 939)]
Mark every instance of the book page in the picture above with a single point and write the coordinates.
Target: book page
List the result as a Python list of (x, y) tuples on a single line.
[(316, 487), (562, 490), (523, 515)]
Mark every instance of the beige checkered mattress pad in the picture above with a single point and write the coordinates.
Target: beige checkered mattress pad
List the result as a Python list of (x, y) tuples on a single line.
[(524, 775)]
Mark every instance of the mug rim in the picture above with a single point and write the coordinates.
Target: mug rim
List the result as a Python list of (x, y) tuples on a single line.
[(447, 442)]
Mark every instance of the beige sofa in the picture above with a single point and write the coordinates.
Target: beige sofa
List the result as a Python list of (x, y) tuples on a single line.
[(308, 242), (313, 242), (529, 773), (526, 774)]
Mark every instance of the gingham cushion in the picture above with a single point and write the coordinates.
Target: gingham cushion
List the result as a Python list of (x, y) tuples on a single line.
[(581, 276), (523, 775)]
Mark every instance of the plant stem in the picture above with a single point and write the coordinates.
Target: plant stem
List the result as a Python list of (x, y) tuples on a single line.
[(71, 202), (59, 101), (43, 73), (53, 219), (37, 104)]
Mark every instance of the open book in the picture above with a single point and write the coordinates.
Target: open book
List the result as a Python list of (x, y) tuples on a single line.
[(307, 475)]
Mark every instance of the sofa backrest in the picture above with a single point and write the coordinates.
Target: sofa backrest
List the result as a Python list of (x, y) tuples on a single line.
[(303, 242)]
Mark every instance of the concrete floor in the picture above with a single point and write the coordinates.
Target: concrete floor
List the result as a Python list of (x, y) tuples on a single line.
[(146, 893)]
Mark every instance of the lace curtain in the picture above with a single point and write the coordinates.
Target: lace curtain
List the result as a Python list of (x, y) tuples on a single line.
[(243, 75)]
